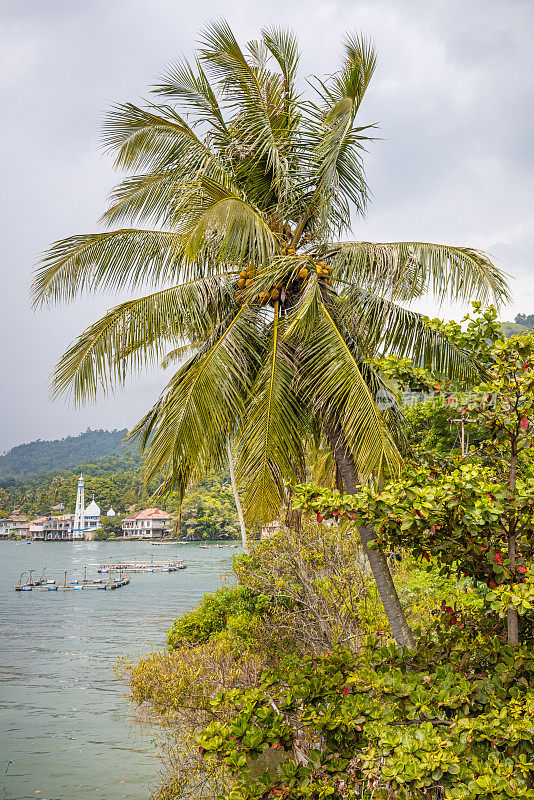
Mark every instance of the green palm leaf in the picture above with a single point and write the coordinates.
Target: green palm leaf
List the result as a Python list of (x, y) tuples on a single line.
[(406, 270), (270, 444), (137, 333), (332, 382), (110, 261), (204, 402), (382, 326)]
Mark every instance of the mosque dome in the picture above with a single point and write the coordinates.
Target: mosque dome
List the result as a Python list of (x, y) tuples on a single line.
[(92, 509), (111, 513)]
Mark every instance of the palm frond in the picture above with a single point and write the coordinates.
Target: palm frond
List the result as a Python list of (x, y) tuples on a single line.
[(406, 270), (109, 261), (331, 377), (226, 226), (383, 327), (282, 44), (259, 95), (145, 140), (270, 443), (185, 433), (191, 87), (336, 177), (145, 198), (137, 333)]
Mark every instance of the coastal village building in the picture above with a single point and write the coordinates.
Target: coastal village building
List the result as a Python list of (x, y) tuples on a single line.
[(92, 517), (55, 528), (14, 525), (151, 523), (269, 529), (36, 528)]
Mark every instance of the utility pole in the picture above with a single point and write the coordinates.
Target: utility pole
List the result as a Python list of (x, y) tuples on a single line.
[(463, 422)]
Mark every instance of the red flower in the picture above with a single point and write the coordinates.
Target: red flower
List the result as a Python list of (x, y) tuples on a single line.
[(335, 512), (524, 423), (497, 558), (345, 691), (319, 517), (522, 569)]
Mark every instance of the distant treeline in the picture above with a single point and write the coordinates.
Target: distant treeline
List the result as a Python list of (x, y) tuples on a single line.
[(39, 457)]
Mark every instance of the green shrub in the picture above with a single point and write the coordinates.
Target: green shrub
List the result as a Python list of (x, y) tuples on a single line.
[(237, 606)]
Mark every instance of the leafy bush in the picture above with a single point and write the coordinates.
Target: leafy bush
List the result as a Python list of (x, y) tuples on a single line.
[(237, 607), (453, 720)]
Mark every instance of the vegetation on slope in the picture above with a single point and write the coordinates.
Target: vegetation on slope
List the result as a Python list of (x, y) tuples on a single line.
[(38, 457)]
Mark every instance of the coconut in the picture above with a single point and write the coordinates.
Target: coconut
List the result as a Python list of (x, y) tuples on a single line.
[(241, 283), (275, 294), (248, 282), (303, 273)]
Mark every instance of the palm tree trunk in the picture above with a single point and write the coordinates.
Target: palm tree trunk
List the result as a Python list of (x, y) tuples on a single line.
[(377, 560), (237, 501)]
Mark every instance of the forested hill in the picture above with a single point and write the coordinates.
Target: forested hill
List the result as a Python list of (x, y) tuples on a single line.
[(39, 457)]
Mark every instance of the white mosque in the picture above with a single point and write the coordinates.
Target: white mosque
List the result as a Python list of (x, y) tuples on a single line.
[(86, 520)]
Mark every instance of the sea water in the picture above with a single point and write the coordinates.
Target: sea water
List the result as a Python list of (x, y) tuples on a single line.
[(67, 731)]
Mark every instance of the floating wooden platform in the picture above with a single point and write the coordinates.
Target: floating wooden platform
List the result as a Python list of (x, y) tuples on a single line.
[(116, 580), (141, 566), (106, 586), (218, 546)]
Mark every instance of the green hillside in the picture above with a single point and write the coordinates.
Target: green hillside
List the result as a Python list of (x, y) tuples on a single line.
[(37, 458), (513, 329)]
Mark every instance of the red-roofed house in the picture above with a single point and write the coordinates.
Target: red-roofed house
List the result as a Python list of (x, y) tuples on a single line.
[(150, 523)]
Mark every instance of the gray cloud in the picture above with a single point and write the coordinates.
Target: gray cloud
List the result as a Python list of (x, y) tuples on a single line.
[(452, 93)]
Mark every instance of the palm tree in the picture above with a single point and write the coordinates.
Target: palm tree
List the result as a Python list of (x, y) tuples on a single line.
[(270, 319)]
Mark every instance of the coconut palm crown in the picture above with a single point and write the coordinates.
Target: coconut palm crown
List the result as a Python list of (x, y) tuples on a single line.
[(241, 188)]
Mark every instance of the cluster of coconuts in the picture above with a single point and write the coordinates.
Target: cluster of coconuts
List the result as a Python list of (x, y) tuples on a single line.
[(247, 275), (323, 270)]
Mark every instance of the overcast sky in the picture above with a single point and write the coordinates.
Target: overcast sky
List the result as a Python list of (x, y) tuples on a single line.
[(453, 93)]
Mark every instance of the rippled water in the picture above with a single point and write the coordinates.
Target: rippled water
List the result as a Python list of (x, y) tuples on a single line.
[(66, 732)]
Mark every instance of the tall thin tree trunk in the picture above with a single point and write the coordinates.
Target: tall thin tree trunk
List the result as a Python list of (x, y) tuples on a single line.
[(377, 560), (236, 496), (512, 617)]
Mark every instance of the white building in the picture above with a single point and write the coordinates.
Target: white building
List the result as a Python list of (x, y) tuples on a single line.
[(14, 525), (57, 528), (150, 523), (36, 528), (92, 518)]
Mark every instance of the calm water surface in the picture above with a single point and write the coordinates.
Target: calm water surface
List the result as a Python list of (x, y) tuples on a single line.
[(66, 730)]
